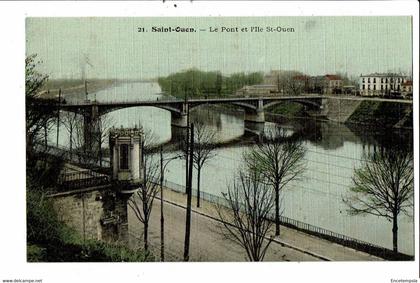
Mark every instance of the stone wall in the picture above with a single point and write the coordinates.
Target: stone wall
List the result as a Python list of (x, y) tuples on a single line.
[(339, 110), (95, 214)]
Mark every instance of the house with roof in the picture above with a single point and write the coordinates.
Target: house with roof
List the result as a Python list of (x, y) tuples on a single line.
[(258, 90), (333, 84), (326, 84), (407, 88)]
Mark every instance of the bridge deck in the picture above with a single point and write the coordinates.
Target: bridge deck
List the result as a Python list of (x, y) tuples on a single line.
[(224, 100)]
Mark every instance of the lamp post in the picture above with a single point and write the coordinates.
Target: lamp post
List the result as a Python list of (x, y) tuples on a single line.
[(189, 193)]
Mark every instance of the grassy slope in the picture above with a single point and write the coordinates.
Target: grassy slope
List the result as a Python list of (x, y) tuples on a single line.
[(288, 109), (382, 114), (89, 251), (50, 240)]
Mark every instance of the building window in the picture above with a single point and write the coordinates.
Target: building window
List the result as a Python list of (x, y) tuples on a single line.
[(386, 80), (363, 86), (374, 80), (382, 87), (363, 80), (368, 87), (124, 156), (368, 80), (374, 87), (382, 80), (386, 87)]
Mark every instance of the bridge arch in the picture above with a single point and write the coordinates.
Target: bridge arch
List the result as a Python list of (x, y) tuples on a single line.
[(107, 110), (245, 106), (304, 102)]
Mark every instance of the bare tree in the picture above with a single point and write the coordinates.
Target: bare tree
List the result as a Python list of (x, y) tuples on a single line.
[(74, 123), (40, 113), (245, 219), (69, 120), (287, 82), (105, 123), (150, 139), (142, 202), (204, 150), (280, 159), (384, 186), (77, 137)]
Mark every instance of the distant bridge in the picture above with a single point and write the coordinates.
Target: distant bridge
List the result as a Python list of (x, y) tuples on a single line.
[(178, 106), (253, 107)]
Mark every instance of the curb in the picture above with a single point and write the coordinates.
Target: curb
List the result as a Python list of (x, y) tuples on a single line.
[(274, 240)]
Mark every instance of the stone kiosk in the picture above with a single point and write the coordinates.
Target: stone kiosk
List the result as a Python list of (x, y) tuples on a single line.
[(126, 157), (126, 176), (100, 211)]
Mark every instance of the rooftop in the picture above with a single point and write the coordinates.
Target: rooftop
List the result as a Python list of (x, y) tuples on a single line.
[(408, 83), (333, 77), (125, 132), (383, 75), (261, 86)]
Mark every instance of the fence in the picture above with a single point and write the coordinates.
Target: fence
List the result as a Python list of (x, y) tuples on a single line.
[(82, 179), (79, 179), (76, 156), (309, 229)]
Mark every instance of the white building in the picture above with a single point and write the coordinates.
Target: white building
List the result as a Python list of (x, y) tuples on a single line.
[(257, 90), (378, 84)]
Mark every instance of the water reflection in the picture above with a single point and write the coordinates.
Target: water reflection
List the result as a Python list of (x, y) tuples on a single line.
[(333, 152)]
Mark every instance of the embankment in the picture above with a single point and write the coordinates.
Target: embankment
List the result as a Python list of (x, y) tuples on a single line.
[(383, 114), (386, 114)]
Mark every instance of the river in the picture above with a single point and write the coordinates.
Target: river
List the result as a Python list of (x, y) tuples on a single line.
[(333, 151)]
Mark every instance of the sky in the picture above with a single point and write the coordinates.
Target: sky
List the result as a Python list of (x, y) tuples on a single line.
[(113, 48)]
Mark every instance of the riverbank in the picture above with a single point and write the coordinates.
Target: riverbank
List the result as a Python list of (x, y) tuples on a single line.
[(75, 89), (333, 153), (208, 245), (383, 114)]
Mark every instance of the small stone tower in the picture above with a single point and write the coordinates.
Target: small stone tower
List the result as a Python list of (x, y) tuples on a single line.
[(126, 156)]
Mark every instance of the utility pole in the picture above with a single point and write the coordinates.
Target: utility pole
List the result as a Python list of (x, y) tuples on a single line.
[(189, 194), (144, 205), (46, 127), (186, 141), (162, 221), (58, 114), (86, 92)]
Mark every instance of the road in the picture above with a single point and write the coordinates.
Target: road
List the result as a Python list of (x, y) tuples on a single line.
[(208, 245), (206, 242)]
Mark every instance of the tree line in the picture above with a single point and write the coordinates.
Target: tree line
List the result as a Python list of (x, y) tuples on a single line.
[(196, 83)]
